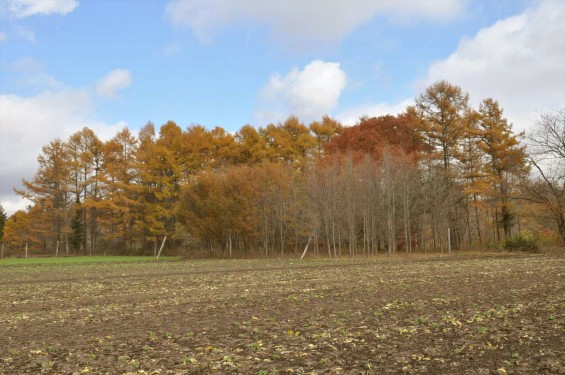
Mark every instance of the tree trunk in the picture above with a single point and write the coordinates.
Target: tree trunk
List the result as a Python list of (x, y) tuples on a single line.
[(478, 223)]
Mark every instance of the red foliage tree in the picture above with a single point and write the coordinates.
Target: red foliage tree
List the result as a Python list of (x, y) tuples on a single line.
[(374, 135)]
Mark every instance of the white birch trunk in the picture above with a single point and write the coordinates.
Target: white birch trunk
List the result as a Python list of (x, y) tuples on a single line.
[(161, 249)]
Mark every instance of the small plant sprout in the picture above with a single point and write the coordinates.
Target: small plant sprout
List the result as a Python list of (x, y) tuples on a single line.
[(188, 360)]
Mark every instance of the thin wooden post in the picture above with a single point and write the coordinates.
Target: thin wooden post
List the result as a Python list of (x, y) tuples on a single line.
[(26, 250), (57, 250), (161, 249)]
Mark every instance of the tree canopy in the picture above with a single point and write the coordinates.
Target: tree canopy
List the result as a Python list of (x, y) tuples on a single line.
[(440, 171)]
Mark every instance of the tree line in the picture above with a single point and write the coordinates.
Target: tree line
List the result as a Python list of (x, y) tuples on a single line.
[(440, 175)]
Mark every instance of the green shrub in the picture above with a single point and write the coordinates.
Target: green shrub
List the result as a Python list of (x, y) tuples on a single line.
[(527, 243)]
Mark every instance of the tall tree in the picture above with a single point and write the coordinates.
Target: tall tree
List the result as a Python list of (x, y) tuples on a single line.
[(119, 188), (155, 185), (370, 201), (85, 158), (471, 174), (349, 207), (325, 191), (548, 158), (442, 108), (506, 158), (441, 112), (49, 192)]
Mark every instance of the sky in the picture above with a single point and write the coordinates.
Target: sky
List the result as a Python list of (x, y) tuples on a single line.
[(110, 64)]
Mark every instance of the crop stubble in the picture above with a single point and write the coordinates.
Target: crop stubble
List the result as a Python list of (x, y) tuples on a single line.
[(457, 315)]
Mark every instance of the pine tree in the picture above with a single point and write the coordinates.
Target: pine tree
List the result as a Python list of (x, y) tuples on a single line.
[(3, 218)]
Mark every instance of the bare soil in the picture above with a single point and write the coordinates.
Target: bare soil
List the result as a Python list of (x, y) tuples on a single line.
[(407, 315)]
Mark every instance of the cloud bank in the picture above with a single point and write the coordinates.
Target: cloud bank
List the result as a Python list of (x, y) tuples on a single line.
[(519, 61), (299, 21), (309, 93)]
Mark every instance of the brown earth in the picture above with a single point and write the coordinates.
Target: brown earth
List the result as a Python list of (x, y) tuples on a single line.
[(408, 315)]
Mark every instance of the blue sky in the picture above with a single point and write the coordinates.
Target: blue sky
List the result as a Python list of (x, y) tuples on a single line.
[(106, 64)]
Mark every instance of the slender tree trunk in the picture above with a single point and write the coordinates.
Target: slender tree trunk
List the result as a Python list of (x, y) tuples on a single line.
[(281, 236), (339, 241), (561, 226), (316, 240), (478, 223), (496, 228), (265, 237), (449, 240), (333, 239), (328, 242)]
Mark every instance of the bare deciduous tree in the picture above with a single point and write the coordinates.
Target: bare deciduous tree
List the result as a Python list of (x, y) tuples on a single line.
[(548, 158)]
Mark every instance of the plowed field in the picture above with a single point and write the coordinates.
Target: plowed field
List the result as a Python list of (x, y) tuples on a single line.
[(501, 314)]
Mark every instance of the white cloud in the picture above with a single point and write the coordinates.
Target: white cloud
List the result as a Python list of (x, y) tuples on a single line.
[(352, 115), (13, 203), (26, 8), (3, 37), (303, 22), (309, 93), (29, 123), (115, 80), (519, 61)]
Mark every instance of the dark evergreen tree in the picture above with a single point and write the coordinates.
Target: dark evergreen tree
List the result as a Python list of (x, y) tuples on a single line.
[(78, 227), (3, 218)]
